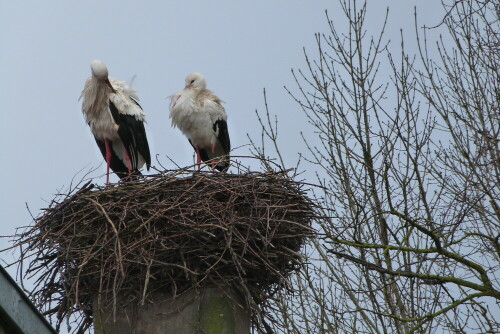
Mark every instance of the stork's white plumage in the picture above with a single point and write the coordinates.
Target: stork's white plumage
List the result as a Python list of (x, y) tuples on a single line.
[(199, 114), (117, 121)]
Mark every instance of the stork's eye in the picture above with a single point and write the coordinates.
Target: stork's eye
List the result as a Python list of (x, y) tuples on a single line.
[(192, 81)]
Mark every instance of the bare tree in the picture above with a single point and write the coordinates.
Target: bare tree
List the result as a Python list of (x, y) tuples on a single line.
[(407, 158)]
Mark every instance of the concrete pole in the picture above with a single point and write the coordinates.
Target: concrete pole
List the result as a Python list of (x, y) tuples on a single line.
[(208, 311)]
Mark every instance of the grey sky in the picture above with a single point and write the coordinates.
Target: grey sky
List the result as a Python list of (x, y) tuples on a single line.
[(240, 48)]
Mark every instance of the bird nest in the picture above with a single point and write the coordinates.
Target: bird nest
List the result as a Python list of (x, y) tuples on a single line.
[(174, 231)]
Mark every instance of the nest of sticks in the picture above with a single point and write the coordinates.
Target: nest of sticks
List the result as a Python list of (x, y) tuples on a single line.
[(174, 231)]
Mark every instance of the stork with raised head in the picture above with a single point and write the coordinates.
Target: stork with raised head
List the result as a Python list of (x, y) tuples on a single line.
[(117, 121), (199, 114)]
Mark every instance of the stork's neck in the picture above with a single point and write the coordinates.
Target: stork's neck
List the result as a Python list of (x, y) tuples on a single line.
[(195, 93), (101, 83), (95, 96), (100, 88)]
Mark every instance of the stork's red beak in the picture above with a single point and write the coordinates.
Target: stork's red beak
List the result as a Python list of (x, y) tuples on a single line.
[(187, 87)]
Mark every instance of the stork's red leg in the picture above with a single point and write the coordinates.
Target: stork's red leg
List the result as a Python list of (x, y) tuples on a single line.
[(108, 159), (213, 161), (127, 162), (198, 157)]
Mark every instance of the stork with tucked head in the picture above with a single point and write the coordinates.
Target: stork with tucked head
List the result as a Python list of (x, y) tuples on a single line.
[(117, 121), (199, 114)]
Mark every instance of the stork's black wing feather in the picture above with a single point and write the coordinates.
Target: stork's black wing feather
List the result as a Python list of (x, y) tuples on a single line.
[(220, 127), (143, 146), (133, 135)]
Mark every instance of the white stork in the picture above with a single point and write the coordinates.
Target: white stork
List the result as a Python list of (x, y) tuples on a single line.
[(117, 122), (199, 114)]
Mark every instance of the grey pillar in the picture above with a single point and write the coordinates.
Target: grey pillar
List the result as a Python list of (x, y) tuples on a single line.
[(207, 311)]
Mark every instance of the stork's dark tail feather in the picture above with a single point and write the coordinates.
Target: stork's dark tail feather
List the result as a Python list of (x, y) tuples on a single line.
[(125, 177), (223, 166), (222, 163)]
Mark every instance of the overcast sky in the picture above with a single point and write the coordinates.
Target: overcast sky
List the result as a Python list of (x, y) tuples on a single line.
[(240, 48)]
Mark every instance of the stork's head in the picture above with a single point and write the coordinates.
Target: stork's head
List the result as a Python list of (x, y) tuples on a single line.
[(195, 81), (99, 70)]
